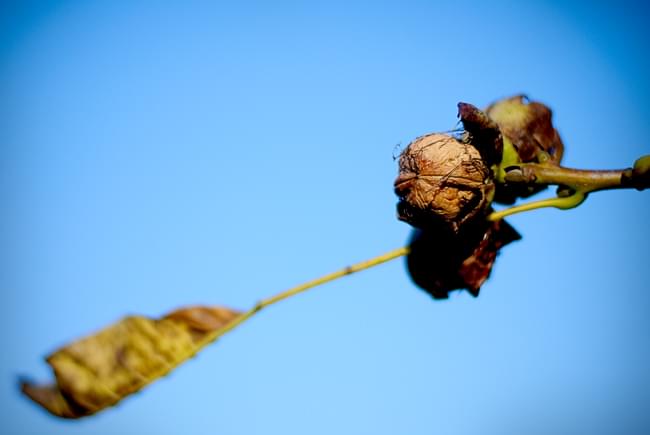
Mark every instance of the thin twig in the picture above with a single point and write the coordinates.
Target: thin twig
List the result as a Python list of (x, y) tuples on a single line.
[(375, 261)]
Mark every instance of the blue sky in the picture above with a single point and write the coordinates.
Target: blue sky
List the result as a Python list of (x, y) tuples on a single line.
[(158, 154)]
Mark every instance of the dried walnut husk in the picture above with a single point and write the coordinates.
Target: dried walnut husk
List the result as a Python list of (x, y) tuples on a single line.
[(442, 181), (528, 126), (482, 132), (441, 261)]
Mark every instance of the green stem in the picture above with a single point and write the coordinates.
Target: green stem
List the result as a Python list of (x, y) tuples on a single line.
[(563, 203), (375, 261), (580, 180)]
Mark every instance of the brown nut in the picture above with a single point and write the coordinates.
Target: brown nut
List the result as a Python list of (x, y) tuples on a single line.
[(442, 180)]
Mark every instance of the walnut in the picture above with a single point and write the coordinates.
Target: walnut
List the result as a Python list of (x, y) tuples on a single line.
[(442, 181)]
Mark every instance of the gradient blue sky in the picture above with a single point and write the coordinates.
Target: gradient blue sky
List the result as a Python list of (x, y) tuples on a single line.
[(157, 154)]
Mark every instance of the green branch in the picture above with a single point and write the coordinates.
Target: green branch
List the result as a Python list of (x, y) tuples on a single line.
[(573, 184)]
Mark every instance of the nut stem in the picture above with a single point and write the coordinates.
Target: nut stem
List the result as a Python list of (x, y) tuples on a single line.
[(577, 179), (575, 184), (563, 203)]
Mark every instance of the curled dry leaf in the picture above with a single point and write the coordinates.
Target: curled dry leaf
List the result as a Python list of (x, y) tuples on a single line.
[(441, 261), (442, 181), (98, 371)]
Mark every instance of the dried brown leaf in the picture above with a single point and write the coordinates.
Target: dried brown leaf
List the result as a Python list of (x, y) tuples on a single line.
[(98, 371)]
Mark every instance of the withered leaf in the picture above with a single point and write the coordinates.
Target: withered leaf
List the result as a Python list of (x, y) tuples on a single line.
[(98, 371)]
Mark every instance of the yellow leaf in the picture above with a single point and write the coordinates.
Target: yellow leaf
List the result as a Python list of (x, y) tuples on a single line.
[(98, 371)]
